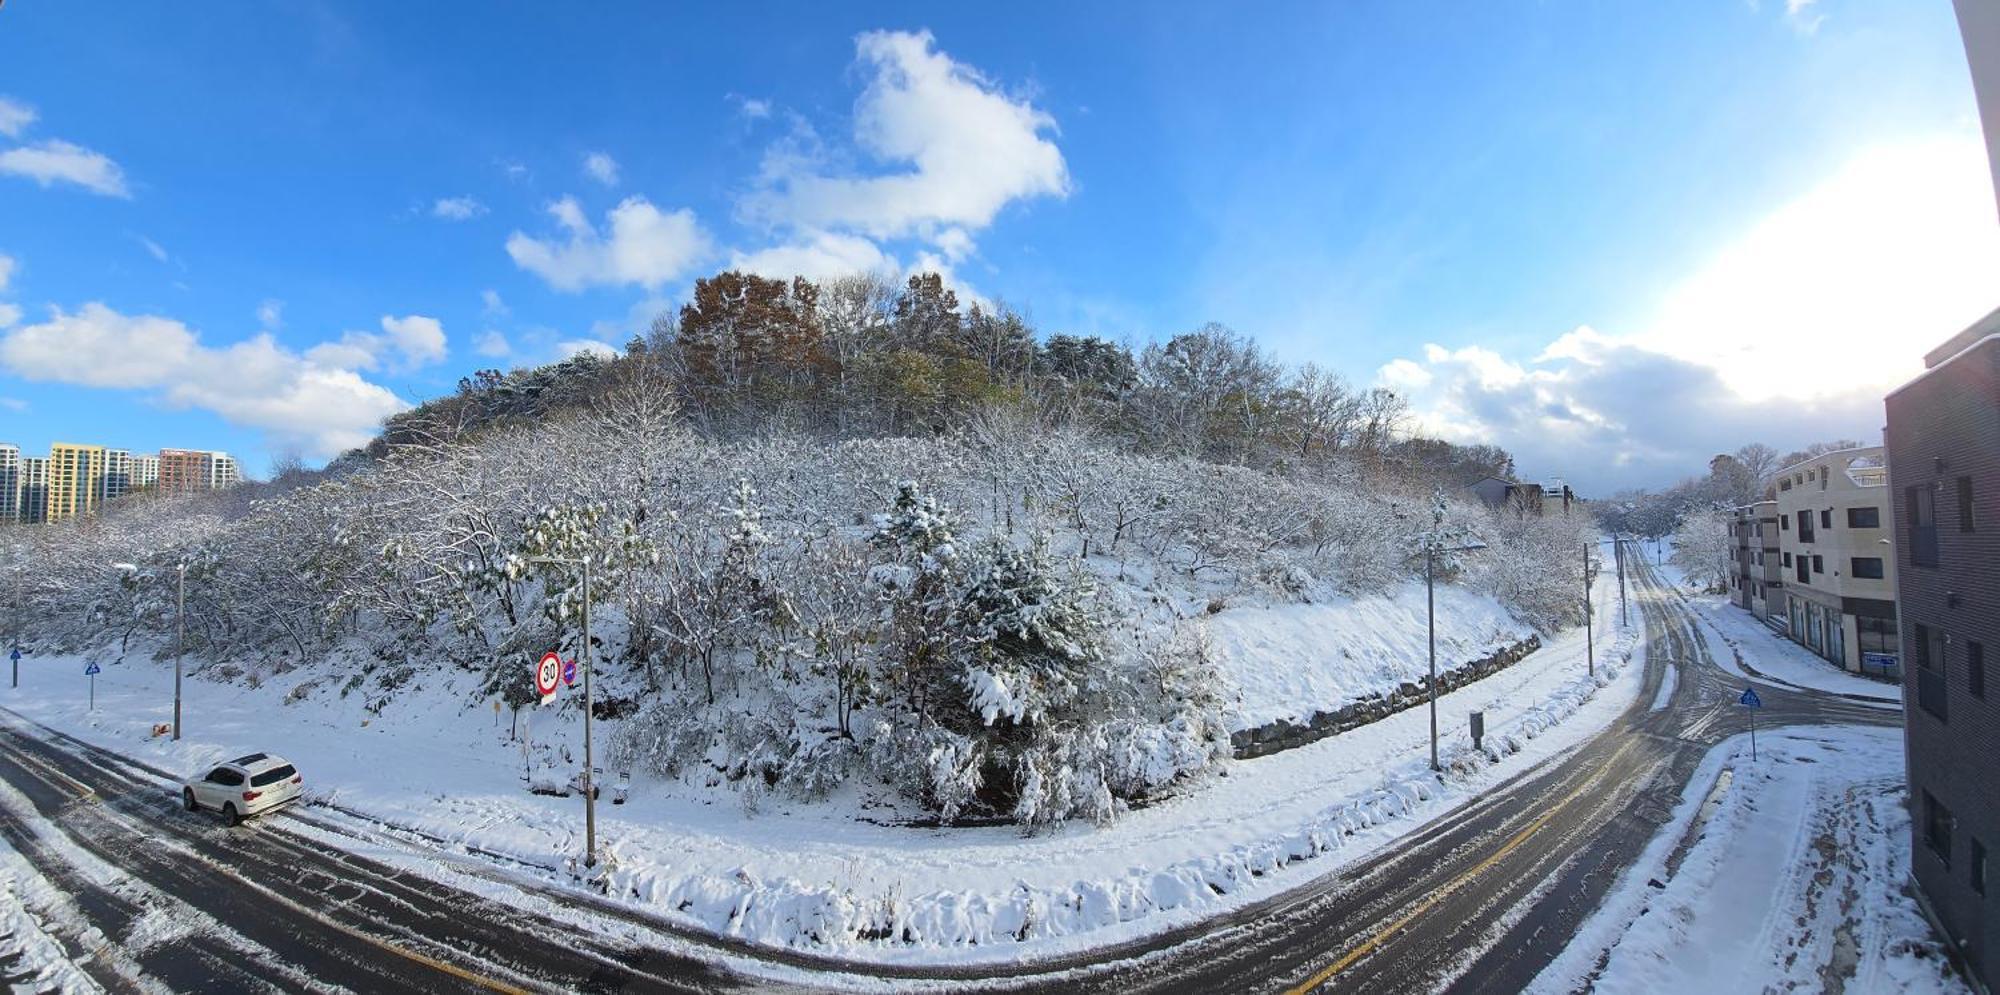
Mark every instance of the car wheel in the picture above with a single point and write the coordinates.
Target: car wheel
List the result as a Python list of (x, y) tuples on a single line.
[(187, 800), (230, 815)]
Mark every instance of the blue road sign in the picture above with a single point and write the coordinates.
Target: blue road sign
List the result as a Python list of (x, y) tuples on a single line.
[(569, 671), (1750, 698), (16, 655), (92, 669)]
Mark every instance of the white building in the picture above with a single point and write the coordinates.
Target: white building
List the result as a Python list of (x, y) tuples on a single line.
[(1838, 567)]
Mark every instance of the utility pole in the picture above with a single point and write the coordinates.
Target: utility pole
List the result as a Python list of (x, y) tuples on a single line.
[(1431, 628), (180, 637), (1589, 638), (1624, 616), (589, 771)]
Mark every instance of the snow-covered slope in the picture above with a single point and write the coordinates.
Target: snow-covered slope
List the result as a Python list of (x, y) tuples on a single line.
[(828, 875), (1290, 660)]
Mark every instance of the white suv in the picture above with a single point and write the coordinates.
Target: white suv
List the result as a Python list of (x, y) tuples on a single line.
[(244, 787)]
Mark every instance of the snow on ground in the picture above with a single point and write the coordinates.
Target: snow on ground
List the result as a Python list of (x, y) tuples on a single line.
[(1737, 639), (1291, 660), (818, 875), (1796, 881), (31, 958)]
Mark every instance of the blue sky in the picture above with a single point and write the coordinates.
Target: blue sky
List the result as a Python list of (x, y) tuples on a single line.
[(1612, 237)]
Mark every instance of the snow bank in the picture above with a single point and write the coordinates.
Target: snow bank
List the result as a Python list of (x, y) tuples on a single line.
[(1794, 883)]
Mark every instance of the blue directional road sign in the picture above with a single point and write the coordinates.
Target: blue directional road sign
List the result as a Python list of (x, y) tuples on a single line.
[(93, 669), (16, 655), (1750, 698), (569, 671)]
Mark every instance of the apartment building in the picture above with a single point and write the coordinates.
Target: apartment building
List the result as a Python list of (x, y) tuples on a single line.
[(117, 475), (184, 470), (1757, 584), (80, 479), (1836, 559), (76, 480), (33, 501), (1943, 440), (10, 483)]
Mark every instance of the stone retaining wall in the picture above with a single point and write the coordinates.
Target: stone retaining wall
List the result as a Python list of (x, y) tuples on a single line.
[(1285, 734)]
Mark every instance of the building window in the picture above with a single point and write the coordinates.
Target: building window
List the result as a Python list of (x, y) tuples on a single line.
[(1930, 673), (1975, 669), (1922, 499), (1785, 522), (1938, 825), (1819, 565), (1826, 518), (1785, 485), (1805, 570), (1788, 559), (1864, 518), (1805, 526), (1965, 504), (1876, 635), (1866, 567)]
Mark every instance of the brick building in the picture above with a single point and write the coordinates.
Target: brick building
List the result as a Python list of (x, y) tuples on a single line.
[(1943, 441)]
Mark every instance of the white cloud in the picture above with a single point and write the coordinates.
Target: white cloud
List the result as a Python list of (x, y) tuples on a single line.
[(271, 314), (13, 404), (492, 343), (646, 247), (298, 400), (816, 255), (9, 315), (15, 117), (752, 108), (457, 208), (6, 269), (418, 338), (415, 340), (152, 248), (491, 304), (56, 161), (601, 167), (573, 347), (1790, 333), (1802, 17), (970, 150)]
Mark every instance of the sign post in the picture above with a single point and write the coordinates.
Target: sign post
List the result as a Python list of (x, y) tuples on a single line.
[(92, 672), (1753, 703)]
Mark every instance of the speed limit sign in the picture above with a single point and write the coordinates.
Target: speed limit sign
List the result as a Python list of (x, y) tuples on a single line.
[(548, 673)]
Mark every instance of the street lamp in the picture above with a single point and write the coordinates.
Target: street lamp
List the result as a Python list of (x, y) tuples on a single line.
[(180, 628), (589, 783), (1431, 551)]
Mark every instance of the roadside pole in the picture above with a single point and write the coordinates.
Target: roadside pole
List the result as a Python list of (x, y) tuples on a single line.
[(180, 637), (589, 759), (1750, 701), (1589, 637), (1618, 545), (591, 794), (1430, 614)]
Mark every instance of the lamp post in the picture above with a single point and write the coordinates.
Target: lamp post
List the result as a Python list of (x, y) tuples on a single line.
[(1589, 636), (1431, 551), (180, 637), (589, 774)]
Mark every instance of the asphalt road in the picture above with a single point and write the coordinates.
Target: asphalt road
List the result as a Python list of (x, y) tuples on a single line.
[(1479, 901)]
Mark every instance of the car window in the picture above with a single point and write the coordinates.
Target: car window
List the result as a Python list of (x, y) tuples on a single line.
[(223, 775), (251, 759), (274, 775)]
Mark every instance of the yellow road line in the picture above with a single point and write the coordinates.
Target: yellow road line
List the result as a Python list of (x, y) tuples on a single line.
[(1441, 894)]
